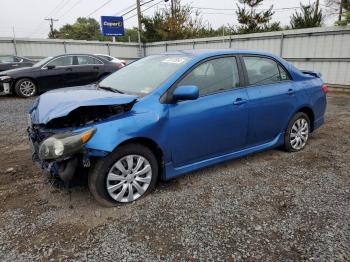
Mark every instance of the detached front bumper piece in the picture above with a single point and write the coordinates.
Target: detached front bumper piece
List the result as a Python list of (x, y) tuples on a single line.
[(5, 88), (5, 85)]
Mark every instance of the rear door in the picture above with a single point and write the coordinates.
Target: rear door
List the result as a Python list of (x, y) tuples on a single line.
[(88, 69), (271, 98)]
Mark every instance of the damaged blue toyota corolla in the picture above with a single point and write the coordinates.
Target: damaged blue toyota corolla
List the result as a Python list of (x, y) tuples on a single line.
[(169, 114)]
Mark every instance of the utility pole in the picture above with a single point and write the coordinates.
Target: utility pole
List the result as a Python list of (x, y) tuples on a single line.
[(139, 26), (52, 20), (172, 9), (340, 10), (316, 7)]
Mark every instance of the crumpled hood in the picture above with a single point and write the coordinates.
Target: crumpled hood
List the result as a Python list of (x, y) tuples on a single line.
[(61, 102)]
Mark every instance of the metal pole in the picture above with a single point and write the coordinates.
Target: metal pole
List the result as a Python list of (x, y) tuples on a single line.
[(281, 45), (65, 47), (139, 26), (14, 40)]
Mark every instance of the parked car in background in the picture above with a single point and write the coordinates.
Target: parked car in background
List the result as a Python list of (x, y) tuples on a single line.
[(8, 62), (199, 108), (55, 72), (120, 63)]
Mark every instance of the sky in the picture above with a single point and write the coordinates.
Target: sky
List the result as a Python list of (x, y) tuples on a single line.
[(26, 17)]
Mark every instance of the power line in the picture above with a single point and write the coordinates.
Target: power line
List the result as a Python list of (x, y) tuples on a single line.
[(232, 9), (101, 6), (57, 8), (125, 9), (70, 9), (144, 10)]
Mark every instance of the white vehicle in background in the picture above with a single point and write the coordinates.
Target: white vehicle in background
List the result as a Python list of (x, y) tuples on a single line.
[(120, 63)]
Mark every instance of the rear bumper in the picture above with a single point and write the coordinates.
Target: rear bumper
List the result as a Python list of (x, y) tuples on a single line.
[(318, 123)]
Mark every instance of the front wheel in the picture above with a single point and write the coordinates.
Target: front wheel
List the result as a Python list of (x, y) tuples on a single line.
[(25, 88), (297, 133), (124, 176)]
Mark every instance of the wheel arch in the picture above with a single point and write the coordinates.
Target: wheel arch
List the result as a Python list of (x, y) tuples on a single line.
[(149, 143), (24, 77), (310, 113)]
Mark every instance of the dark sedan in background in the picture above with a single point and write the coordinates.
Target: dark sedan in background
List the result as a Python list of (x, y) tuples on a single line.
[(8, 62), (55, 72)]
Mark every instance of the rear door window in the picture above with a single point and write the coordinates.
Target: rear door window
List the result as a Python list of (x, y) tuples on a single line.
[(262, 71), (7, 59), (88, 60)]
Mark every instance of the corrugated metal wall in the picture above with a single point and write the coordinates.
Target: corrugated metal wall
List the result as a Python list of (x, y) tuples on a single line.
[(38, 48), (323, 49)]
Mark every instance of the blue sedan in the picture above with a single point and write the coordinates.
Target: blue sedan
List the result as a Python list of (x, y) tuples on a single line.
[(169, 114)]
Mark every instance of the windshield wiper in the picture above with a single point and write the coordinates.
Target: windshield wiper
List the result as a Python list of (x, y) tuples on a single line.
[(111, 89)]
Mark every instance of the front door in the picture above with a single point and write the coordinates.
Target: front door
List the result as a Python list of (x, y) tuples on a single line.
[(214, 124), (55, 73)]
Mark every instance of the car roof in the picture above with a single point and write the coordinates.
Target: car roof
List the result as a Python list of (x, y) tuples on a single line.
[(214, 52)]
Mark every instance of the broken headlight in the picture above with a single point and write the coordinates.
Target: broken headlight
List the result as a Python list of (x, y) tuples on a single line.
[(65, 144)]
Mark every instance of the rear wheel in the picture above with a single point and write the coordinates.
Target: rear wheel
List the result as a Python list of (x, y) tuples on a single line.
[(124, 176), (25, 88), (297, 133)]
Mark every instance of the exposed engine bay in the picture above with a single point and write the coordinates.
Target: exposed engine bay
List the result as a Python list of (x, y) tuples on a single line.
[(86, 115)]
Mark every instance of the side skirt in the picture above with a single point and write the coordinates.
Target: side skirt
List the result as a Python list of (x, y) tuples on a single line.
[(171, 172)]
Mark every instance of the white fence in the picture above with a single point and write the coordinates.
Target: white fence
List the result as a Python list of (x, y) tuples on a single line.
[(38, 48), (322, 49)]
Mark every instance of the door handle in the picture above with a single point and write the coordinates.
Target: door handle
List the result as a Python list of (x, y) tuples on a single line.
[(69, 69), (291, 91), (15, 65), (239, 101), (96, 67)]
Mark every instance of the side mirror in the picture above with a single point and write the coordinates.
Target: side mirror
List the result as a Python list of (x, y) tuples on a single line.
[(50, 67), (185, 93)]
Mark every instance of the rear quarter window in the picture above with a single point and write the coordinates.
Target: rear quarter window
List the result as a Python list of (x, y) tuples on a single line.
[(261, 70)]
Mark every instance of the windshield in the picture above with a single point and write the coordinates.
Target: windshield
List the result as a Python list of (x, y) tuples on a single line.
[(145, 75), (42, 62)]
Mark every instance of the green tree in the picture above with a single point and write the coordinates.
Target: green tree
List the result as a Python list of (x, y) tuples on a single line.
[(82, 29), (345, 21), (339, 7), (182, 22), (253, 21), (307, 17)]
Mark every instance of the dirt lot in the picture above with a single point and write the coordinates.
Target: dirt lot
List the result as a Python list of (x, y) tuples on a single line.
[(270, 206)]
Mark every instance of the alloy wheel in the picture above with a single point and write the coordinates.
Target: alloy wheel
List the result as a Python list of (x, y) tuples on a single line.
[(129, 178), (27, 88), (299, 134)]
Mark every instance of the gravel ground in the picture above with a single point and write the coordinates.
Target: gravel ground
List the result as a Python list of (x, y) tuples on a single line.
[(270, 206)]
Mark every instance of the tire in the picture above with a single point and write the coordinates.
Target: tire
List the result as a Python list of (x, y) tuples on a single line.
[(297, 134), (106, 173), (25, 88)]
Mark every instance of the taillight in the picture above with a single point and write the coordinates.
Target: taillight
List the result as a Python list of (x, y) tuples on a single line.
[(120, 65), (324, 88)]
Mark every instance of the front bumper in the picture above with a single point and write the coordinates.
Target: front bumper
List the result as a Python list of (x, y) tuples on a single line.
[(65, 168)]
